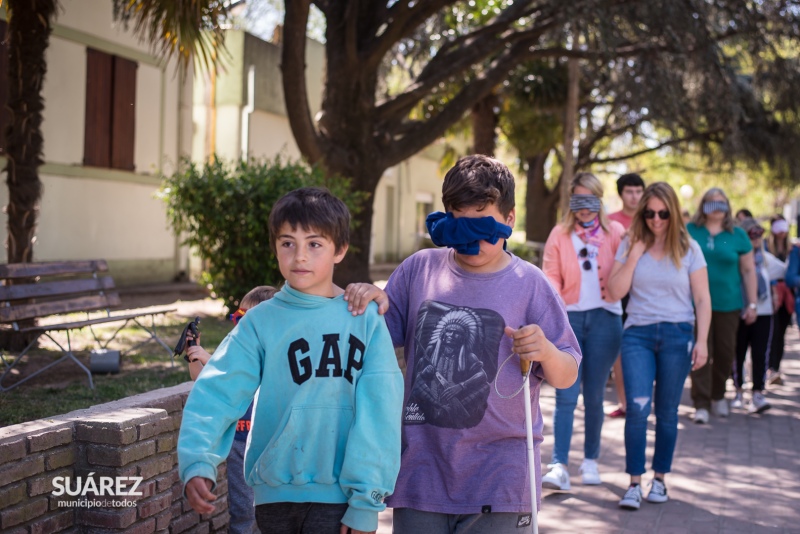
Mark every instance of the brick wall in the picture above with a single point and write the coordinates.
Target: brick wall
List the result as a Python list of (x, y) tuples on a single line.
[(133, 437)]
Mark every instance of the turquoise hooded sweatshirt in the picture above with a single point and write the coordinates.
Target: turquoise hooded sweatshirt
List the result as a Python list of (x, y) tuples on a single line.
[(326, 421)]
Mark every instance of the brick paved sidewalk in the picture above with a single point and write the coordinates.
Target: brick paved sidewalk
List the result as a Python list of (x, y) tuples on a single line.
[(740, 474)]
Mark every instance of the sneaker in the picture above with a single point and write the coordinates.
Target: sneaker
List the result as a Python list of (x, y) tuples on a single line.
[(590, 475), (557, 478), (632, 499), (701, 416), (619, 412), (774, 378), (759, 404), (658, 491), (720, 407), (738, 402)]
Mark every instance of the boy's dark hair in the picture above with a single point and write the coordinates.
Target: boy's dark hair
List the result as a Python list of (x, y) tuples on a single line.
[(629, 180), (478, 181), (311, 208), (256, 296)]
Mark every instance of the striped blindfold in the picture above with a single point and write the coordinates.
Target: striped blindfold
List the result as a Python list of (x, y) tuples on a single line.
[(714, 205), (584, 202)]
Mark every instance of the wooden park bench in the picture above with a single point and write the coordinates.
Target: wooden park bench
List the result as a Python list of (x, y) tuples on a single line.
[(42, 290)]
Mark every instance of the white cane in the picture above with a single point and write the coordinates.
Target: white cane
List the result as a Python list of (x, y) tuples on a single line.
[(525, 367)]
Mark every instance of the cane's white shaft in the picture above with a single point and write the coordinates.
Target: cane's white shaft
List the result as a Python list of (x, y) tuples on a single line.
[(531, 460)]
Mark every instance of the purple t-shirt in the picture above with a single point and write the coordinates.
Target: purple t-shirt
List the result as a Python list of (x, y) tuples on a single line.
[(463, 446)]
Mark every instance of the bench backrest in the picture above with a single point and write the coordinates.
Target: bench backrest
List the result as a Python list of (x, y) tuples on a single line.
[(33, 290)]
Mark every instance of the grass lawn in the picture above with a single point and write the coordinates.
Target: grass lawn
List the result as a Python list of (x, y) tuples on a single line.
[(64, 388)]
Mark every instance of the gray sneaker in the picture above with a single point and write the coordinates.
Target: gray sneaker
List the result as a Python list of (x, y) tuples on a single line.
[(632, 499), (658, 491), (759, 404), (720, 408), (701, 416)]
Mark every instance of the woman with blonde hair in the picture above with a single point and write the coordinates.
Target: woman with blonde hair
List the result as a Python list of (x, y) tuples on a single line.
[(664, 271), (578, 257), (729, 256)]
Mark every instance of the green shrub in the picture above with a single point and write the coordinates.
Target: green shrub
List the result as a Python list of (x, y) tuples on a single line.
[(222, 209)]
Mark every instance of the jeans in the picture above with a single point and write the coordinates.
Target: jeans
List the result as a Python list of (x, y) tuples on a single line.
[(241, 502), (660, 352), (599, 333), (758, 338)]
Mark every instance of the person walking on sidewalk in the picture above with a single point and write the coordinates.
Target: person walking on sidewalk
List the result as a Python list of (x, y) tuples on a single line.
[(757, 336), (779, 246), (630, 188), (729, 256), (664, 272), (578, 256)]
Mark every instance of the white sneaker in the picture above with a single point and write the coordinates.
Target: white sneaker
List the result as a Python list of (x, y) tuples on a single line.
[(759, 404), (590, 475), (658, 491), (557, 478), (701, 416), (738, 402), (632, 499), (720, 407)]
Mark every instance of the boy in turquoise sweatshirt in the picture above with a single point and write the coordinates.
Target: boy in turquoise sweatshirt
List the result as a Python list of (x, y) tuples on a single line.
[(324, 446)]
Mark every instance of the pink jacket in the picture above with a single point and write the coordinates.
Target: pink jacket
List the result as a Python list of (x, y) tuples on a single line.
[(563, 269)]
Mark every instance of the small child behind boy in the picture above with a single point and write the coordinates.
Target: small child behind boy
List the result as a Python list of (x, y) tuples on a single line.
[(240, 496), (324, 447)]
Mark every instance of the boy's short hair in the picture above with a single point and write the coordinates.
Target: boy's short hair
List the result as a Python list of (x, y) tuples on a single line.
[(311, 208), (478, 181), (256, 296), (629, 180)]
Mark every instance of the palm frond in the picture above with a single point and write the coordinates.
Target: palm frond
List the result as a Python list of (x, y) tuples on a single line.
[(179, 29)]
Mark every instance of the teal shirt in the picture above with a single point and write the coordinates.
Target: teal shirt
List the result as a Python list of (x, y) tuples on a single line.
[(722, 254), (326, 421)]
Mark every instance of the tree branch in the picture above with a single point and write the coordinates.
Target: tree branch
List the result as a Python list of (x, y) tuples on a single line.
[(670, 142)]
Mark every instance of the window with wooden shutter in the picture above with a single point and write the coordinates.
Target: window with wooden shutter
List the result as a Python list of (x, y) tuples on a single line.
[(110, 111)]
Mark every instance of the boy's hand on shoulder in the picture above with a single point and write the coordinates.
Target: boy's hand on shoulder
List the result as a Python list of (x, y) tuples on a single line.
[(530, 343), (359, 295), (347, 530), (198, 492)]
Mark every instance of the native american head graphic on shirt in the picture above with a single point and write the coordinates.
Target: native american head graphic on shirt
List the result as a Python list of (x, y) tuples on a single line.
[(455, 362)]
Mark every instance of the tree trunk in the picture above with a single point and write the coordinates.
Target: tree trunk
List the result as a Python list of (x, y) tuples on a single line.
[(355, 266), (570, 122), (29, 27), (484, 125), (541, 204)]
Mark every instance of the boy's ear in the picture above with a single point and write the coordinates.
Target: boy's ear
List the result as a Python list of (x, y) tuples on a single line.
[(512, 217), (339, 256)]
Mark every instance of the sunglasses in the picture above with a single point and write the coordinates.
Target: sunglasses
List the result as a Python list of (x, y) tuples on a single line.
[(236, 316), (584, 253), (651, 214)]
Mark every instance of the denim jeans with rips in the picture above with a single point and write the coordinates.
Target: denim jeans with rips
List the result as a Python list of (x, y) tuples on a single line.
[(660, 353)]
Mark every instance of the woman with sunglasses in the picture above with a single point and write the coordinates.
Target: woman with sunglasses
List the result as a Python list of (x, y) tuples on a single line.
[(578, 257), (664, 271), (731, 269)]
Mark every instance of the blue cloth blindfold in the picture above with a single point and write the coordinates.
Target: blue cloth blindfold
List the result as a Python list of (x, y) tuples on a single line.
[(465, 233)]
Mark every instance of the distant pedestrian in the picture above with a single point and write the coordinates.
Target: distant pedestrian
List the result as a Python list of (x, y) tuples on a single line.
[(578, 257), (743, 214), (665, 273), (630, 188), (757, 336), (778, 245), (729, 256)]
